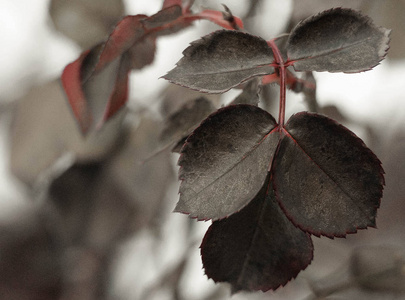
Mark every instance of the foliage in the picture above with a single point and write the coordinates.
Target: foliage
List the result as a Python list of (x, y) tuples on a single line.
[(267, 184), (323, 177)]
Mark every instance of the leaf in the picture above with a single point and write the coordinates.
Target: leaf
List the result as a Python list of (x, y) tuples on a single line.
[(257, 248), (43, 129), (180, 124), (96, 84), (175, 96), (225, 161), (326, 180), (126, 34), (379, 268), (95, 100), (221, 61), (250, 93), (71, 81), (163, 17), (167, 21), (169, 3), (337, 40), (144, 183), (87, 22), (32, 258)]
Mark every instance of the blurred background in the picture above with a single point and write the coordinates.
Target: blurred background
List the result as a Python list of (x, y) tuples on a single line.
[(91, 217)]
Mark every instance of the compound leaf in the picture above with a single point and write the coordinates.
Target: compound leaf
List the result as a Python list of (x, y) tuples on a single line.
[(257, 248), (326, 180), (221, 61), (337, 40), (225, 160)]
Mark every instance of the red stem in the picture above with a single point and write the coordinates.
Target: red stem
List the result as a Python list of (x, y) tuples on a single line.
[(281, 68)]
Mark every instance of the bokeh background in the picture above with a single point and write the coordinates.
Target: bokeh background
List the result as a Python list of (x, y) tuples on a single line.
[(88, 218)]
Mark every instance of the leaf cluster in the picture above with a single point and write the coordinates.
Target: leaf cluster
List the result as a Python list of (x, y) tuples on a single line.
[(268, 185)]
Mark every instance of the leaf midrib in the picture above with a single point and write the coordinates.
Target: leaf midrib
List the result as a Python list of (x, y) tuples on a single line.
[(330, 51)]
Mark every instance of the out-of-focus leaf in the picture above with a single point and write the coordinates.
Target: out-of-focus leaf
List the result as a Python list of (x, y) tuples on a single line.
[(250, 93), (225, 160), (379, 268), (257, 248), (309, 90), (126, 34), (333, 112), (180, 124), (163, 17), (169, 3), (326, 180), (175, 97), (30, 262), (72, 193), (43, 129), (137, 176), (337, 40), (87, 22), (102, 203), (96, 84), (99, 97), (222, 60)]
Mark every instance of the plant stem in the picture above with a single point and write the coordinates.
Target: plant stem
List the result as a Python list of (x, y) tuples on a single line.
[(283, 75)]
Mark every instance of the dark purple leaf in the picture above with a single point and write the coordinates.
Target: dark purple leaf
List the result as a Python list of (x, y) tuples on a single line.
[(222, 60), (337, 40), (327, 181), (257, 248), (225, 161)]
